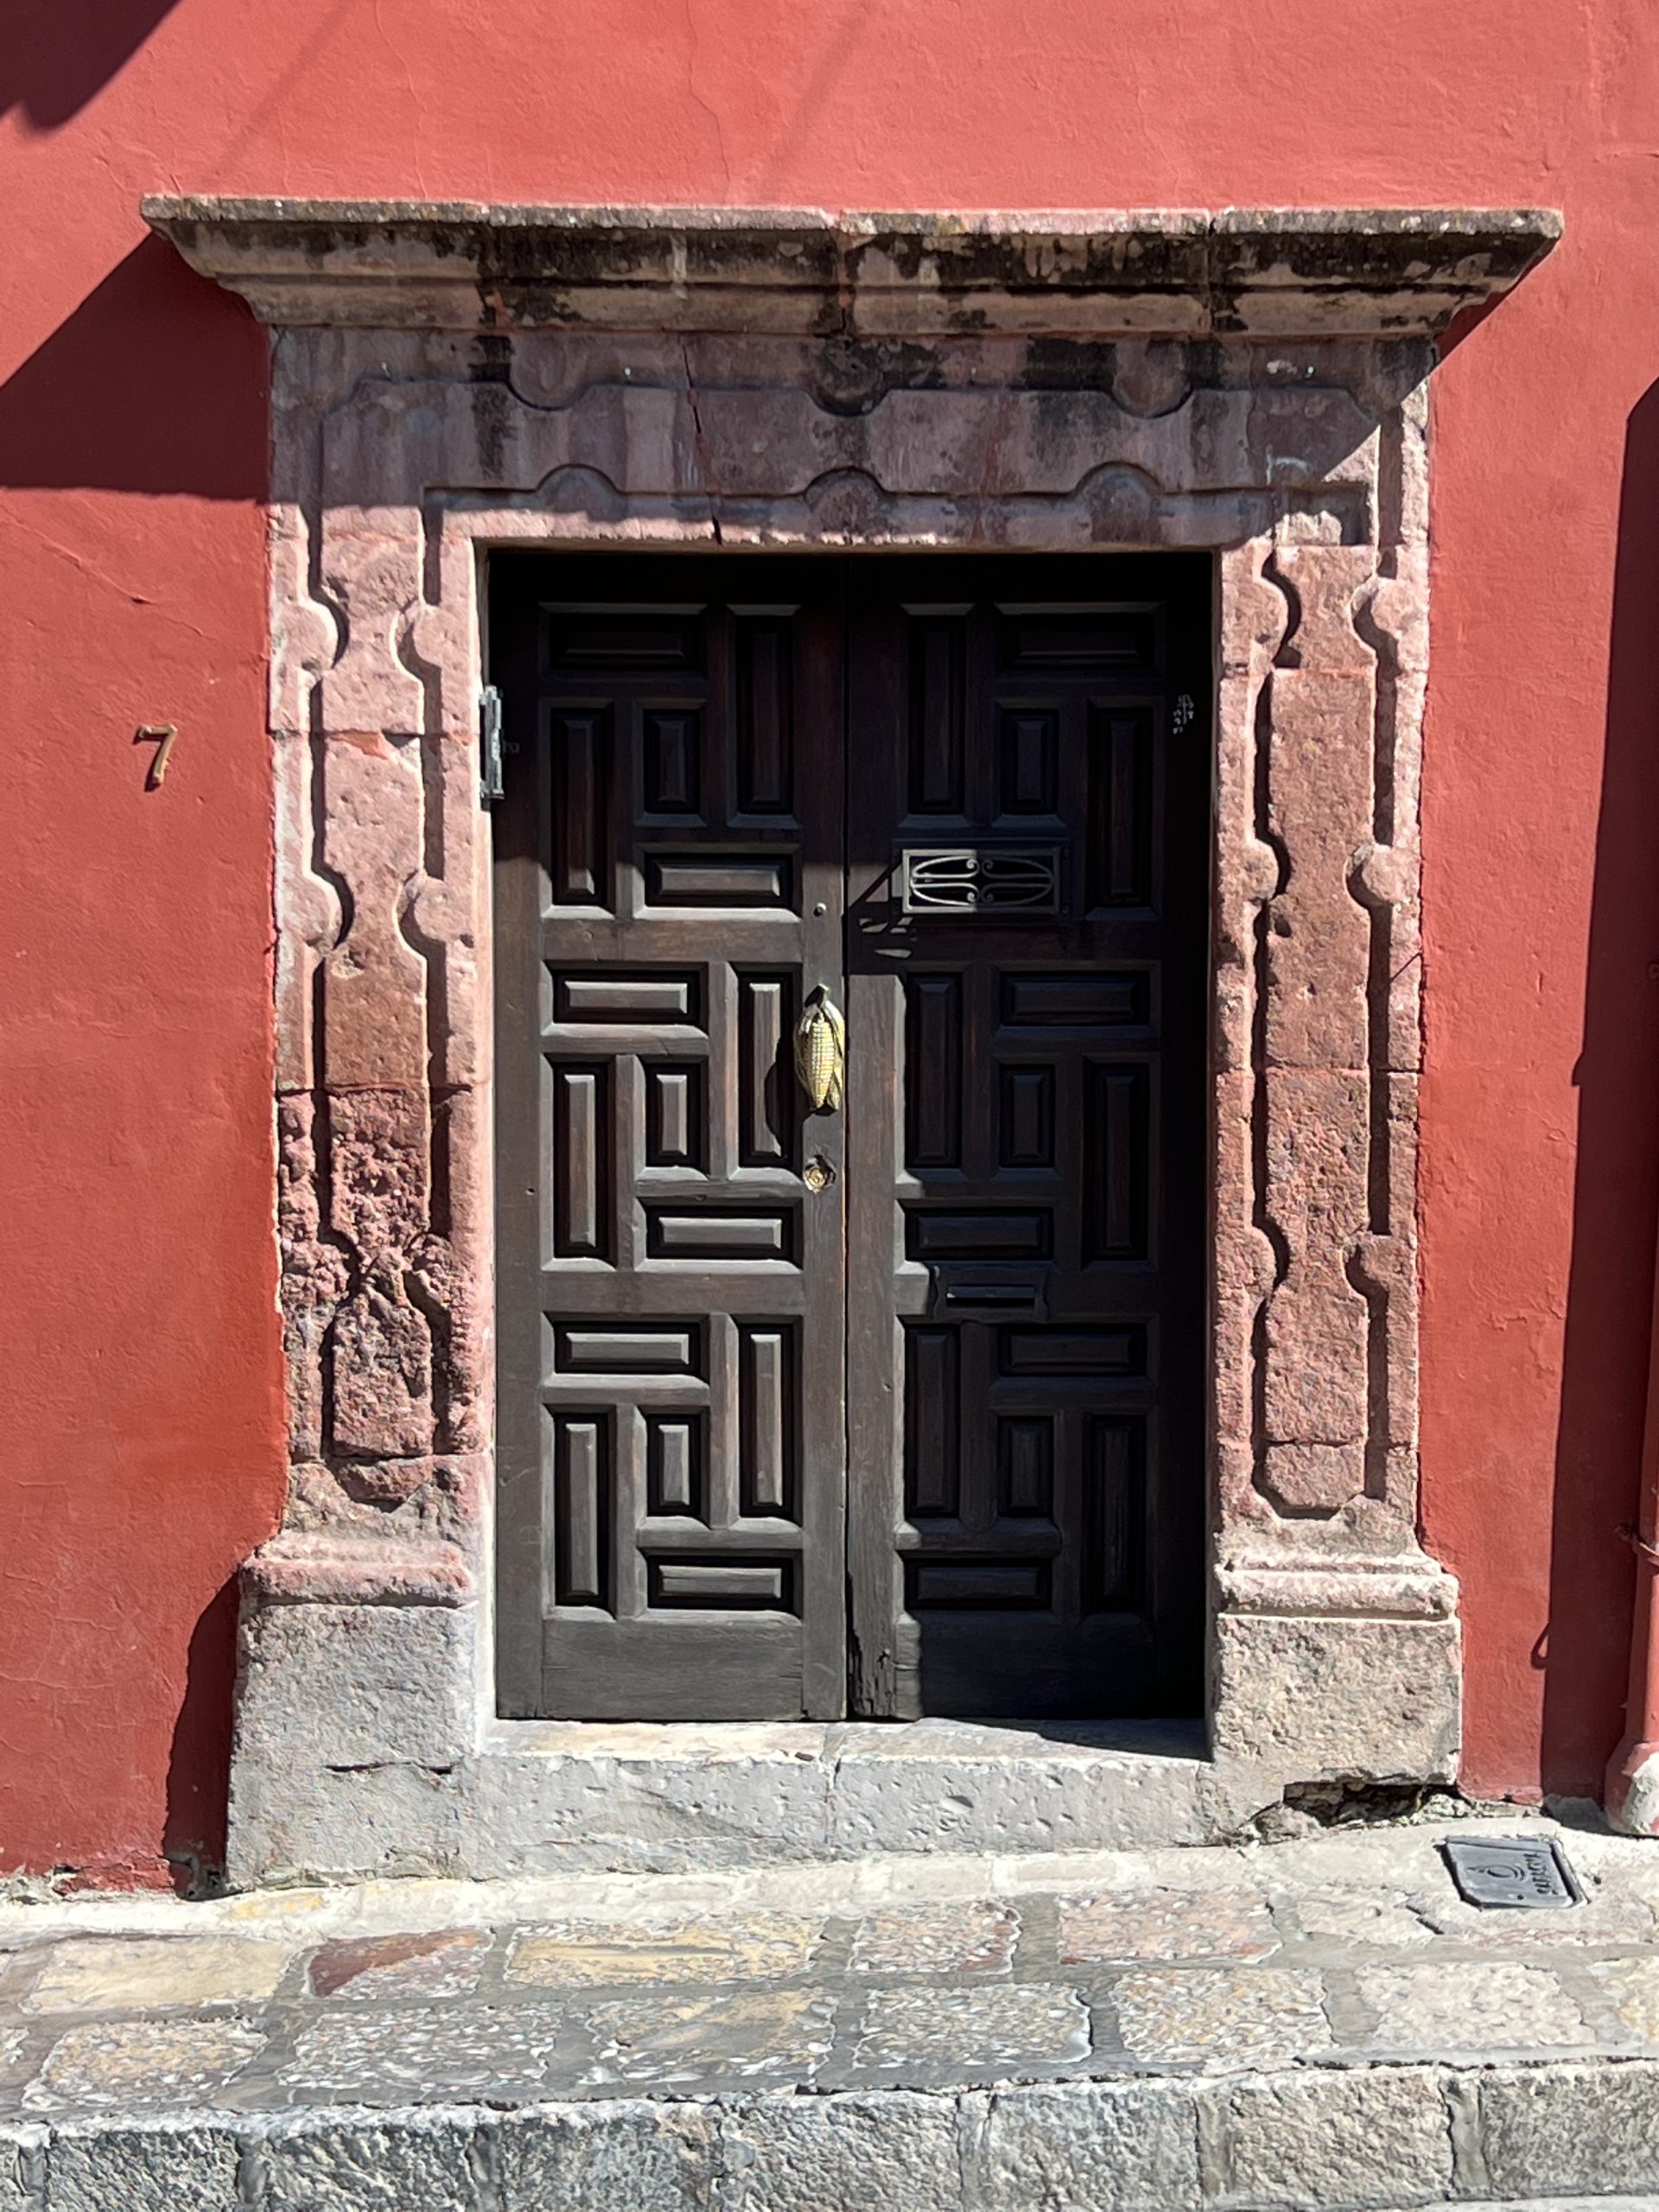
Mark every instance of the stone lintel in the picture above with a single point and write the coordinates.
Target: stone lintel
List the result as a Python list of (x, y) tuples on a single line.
[(1239, 273)]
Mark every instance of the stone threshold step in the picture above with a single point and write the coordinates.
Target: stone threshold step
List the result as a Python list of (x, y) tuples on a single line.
[(1347, 2141), (546, 1797)]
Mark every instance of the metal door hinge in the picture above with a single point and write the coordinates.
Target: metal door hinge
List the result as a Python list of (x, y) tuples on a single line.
[(490, 787)]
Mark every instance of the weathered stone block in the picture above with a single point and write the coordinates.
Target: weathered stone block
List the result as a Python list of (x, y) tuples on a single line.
[(796, 2154), (975, 1796), (1088, 2147), (291, 1822), (374, 987), (538, 1813), (22, 2168), (1327, 2139), (649, 2158), (168, 2166), (354, 1686), (351, 2162), (1569, 2128), (371, 561), (1311, 1697)]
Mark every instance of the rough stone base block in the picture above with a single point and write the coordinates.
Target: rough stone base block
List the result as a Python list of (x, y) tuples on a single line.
[(1311, 1699), (398, 1682), (354, 1727)]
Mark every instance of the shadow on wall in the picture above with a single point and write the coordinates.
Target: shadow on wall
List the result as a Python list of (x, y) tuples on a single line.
[(57, 54), (156, 383), (1585, 1648), (199, 1770)]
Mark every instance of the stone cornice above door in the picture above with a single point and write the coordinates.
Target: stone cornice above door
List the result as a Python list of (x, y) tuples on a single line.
[(1274, 273)]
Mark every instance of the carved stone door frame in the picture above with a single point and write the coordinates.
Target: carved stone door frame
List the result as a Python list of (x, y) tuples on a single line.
[(449, 380)]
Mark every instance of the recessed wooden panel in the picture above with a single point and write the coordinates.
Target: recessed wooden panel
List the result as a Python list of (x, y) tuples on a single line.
[(635, 1348), (768, 1420), (1116, 1199), (718, 879), (580, 1521), (643, 994), (1024, 1467), (674, 1114), (580, 845), (937, 708), (721, 1583), (623, 637), (1115, 1515), (673, 761), (933, 1070), (1073, 1352), (977, 1583), (765, 717), (932, 1418), (581, 1125), (723, 1233), (1026, 1117), (674, 1464), (1121, 802), (1080, 637), (1083, 999), (1030, 762), (984, 1234), (768, 1102)]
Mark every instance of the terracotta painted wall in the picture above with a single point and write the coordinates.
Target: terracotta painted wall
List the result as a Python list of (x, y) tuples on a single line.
[(141, 1452)]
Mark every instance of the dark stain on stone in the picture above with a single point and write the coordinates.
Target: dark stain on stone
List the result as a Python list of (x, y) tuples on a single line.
[(851, 376)]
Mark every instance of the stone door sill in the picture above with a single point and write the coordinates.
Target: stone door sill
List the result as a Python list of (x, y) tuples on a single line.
[(670, 1797)]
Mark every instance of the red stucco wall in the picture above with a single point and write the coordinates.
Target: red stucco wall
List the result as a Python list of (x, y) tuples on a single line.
[(141, 1452)]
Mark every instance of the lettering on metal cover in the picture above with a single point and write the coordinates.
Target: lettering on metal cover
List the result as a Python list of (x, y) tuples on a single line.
[(1511, 1870)]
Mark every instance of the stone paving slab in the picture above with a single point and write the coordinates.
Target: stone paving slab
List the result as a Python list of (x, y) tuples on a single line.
[(1311, 2024)]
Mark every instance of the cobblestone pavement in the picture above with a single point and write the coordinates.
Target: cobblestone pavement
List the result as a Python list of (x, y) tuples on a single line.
[(1222, 2016)]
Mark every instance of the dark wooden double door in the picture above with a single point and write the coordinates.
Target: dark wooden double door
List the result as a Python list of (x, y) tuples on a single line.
[(898, 1408)]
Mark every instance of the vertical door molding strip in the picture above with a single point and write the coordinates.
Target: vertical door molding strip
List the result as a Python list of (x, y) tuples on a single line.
[(447, 379)]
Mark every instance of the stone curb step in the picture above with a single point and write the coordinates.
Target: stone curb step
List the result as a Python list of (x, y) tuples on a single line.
[(1343, 2139)]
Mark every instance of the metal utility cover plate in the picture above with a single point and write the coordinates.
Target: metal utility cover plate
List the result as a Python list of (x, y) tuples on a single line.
[(1511, 1870)]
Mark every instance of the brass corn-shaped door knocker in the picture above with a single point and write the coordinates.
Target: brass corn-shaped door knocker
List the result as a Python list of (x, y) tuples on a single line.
[(821, 1052)]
